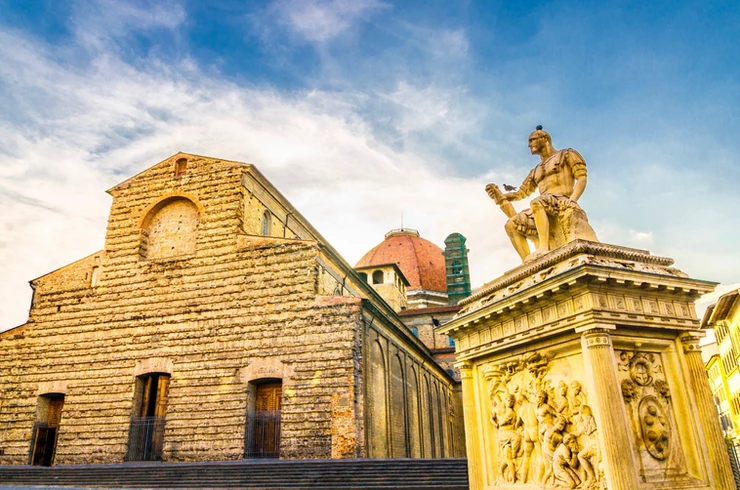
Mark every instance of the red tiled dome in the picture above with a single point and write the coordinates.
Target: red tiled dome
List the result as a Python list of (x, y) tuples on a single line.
[(421, 261)]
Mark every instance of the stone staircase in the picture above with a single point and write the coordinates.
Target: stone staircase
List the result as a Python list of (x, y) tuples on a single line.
[(406, 474)]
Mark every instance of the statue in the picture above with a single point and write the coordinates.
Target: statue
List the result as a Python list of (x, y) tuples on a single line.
[(555, 218)]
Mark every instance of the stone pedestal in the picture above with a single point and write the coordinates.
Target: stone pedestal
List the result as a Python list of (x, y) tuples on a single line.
[(582, 369)]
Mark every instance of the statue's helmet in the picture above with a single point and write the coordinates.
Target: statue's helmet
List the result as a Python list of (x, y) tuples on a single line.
[(540, 133)]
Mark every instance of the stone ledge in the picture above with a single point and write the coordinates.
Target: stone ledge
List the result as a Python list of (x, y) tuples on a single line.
[(576, 247)]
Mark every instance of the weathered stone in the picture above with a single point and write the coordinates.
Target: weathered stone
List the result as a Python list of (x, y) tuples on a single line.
[(189, 288)]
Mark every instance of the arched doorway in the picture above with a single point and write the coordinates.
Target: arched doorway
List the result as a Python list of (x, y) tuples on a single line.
[(262, 431)]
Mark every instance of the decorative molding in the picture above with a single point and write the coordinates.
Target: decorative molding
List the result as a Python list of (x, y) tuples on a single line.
[(565, 252)]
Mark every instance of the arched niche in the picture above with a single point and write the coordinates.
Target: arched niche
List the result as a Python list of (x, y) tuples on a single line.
[(170, 228)]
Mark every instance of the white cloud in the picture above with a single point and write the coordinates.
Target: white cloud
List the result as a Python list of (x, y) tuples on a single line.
[(641, 236), (319, 21), (68, 133), (97, 22)]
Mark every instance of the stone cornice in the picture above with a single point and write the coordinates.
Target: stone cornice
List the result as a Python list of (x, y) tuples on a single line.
[(572, 288), (576, 247)]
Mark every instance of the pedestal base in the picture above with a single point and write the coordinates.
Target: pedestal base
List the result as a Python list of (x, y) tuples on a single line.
[(582, 369)]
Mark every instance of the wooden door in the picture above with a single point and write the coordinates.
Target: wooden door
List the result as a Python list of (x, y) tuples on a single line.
[(55, 411), (160, 410), (267, 420), (163, 396), (269, 396), (146, 396), (40, 442)]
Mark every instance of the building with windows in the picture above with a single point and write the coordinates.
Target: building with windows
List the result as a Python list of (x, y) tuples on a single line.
[(217, 324), (724, 369), (423, 283), (721, 394)]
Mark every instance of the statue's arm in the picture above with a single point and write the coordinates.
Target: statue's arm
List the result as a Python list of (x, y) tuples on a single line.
[(527, 188), (578, 168)]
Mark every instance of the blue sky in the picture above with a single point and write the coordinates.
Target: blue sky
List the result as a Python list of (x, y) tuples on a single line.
[(362, 111)]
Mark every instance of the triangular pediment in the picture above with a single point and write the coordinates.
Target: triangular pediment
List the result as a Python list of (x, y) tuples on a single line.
[(169, 164)]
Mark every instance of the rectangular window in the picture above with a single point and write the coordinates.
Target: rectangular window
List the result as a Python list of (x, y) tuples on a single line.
[(95, 276)]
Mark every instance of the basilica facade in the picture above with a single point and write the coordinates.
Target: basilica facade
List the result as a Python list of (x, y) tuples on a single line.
[(217, 324)]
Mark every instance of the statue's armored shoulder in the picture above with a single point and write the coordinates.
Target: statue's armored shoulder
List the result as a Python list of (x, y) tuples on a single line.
[(575, 161)]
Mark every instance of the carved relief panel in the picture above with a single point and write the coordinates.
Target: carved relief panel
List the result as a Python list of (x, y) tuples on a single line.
[(649, 406), (544, 434)]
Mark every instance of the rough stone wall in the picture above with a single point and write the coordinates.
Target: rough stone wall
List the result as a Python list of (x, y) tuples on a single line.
[(195, 291), (209, 315), (410, 403)]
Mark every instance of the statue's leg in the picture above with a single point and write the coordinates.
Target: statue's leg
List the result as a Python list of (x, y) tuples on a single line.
[(542, 222), (517, 239)]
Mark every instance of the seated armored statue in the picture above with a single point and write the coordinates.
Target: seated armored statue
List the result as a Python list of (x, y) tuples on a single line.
[(555, 218)]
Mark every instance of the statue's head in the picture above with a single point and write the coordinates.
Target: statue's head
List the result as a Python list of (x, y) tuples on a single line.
[(538, 140), (542, 396)]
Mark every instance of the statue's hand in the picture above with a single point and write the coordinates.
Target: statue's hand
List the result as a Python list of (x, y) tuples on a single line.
[(495, 193)]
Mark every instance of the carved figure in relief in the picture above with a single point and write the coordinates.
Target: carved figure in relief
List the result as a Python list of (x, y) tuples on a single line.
[(552, 438), (561, 399), (565, 462), (589, 454), (662, 388), (530, 436), (508, 423), (546, 434), (555, 218), (545, 413), (629, 390), (640, 371), (576, 400)]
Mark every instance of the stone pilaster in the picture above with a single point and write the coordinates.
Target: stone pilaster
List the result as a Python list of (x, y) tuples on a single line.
[(617, 451), (472, 430), (719, 460)]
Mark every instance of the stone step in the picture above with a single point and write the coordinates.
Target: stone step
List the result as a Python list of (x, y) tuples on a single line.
[(406, 474)]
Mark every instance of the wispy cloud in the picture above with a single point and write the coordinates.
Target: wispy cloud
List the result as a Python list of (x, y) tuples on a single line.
[(98, 22), (319, 21)]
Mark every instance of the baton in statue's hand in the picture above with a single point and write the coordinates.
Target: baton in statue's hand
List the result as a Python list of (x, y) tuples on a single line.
[(498, 197)]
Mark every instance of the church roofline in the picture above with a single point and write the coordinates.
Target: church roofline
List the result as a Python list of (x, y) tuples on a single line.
[(33, 282), (134, 177)]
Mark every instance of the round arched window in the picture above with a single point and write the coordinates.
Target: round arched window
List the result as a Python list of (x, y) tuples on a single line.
[(171, 229), (378, 277)]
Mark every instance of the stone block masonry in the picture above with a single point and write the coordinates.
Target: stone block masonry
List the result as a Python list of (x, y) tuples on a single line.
[(210, 280)]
